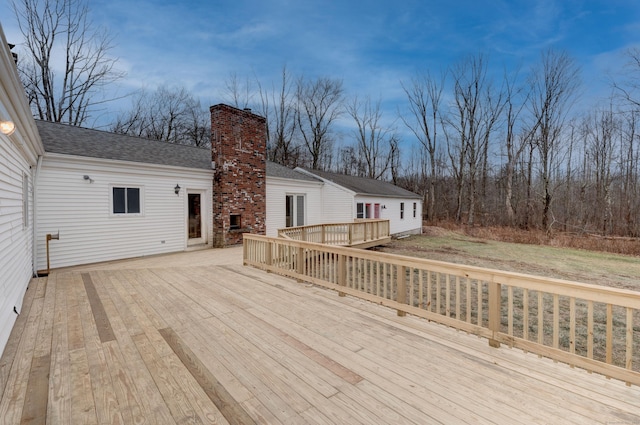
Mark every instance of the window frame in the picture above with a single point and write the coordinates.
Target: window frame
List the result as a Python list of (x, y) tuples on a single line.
[(415, 209), (112, 212), (401, 210)]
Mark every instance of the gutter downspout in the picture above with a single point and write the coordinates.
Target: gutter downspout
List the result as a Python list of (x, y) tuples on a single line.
[(34, 245)]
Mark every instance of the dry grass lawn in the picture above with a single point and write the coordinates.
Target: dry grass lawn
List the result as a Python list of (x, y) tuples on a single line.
[(600, 268)]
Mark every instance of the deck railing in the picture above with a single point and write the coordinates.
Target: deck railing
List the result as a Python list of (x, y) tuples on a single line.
[(345, 234), (593, 327)]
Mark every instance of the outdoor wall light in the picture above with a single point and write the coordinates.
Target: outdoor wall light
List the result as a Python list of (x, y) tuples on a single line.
[(177, 189), (384, 207), (86, 177), (7, 127)]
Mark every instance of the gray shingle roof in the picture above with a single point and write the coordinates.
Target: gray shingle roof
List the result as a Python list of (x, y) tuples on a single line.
[(277, 170), (79, 141), (365, 186)]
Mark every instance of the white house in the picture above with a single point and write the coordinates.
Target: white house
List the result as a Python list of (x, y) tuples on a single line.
[(300, 196), (20, 155), (110, 196)]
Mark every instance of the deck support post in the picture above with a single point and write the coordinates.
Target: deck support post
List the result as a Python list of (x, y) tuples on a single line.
[(300, 264), (268, 255), (342, 272), (494, 312), (401, 294)]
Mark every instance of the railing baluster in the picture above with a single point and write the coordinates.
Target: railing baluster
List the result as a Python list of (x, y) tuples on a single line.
[(468, 300), (429, 303), (510, 310), (378, 278), (437, 283), (556, 320), (540, 317), (447, 306), (458, 297), (525, 314), (480, 301), (629, 337), (411, 288), (590, 329), (421, 288), (609, 355)]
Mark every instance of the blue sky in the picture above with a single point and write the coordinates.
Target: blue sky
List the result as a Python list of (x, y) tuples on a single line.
[(370, 45)]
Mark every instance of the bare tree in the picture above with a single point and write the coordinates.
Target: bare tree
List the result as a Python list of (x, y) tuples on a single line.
[(63, 91), (319, 105), (476, 110), (514, 144), (170, 114), (237, 93), (554, 84), (425, 96), (373, 140), (279, 110), (602, 130)]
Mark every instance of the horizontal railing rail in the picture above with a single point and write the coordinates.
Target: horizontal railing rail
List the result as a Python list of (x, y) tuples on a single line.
[(344, 234), (593, 327)]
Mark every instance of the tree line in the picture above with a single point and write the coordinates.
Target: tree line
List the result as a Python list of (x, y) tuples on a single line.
[(481, 149)]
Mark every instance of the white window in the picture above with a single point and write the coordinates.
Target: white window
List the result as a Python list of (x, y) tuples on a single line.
[(415, 209), (401, 210), (359, 210), (295, 210), (125, 200)]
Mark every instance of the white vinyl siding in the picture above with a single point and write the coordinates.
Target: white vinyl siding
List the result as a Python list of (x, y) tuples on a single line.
[(18, 161), (337, 204), (390, 210), (16, 267), (90, 232), (277, 191)]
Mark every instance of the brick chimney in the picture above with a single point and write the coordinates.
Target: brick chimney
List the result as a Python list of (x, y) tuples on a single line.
[(238, 150)]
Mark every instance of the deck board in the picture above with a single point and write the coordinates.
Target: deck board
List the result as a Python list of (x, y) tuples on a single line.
[(197, 338)]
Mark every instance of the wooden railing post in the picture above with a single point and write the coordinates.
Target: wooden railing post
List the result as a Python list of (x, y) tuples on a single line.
[(342, 272), (300, 264), (322, 238), (495, 302), (303, 235), (268, 256), (401, 295)]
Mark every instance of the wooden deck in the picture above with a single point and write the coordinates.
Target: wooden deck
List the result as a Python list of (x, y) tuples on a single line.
[(198, 338)]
